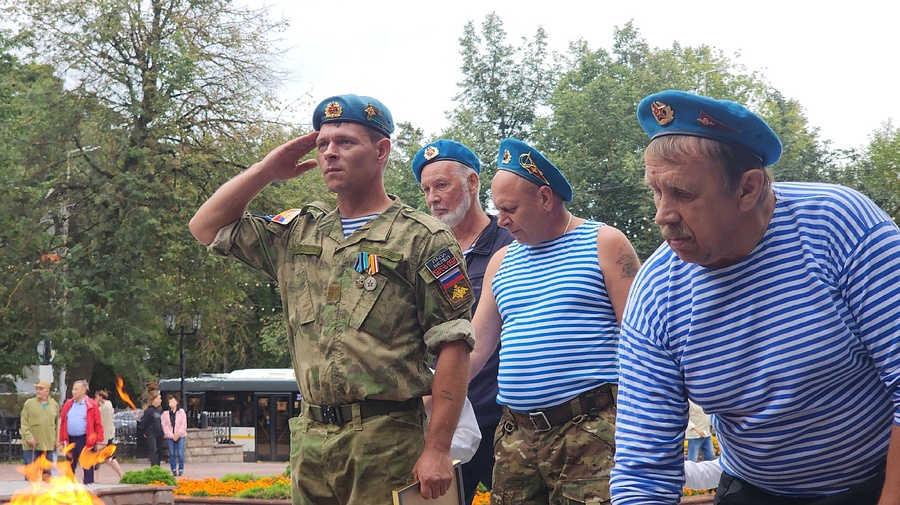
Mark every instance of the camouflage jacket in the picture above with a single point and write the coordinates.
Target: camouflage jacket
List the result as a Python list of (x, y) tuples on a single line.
[(351, 337)]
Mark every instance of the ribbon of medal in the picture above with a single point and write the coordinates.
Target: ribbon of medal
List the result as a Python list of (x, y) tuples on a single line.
[(366, 263)]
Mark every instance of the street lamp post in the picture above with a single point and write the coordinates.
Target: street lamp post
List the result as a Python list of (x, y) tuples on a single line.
[(717, 70), (169, 321)]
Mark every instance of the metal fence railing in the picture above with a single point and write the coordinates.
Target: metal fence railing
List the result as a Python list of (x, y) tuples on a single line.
[(219, 422), (10, 441)]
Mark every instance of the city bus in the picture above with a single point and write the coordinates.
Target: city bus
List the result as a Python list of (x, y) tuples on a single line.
[(260, 402)]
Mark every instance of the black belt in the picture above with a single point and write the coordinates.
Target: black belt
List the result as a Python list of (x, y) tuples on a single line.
[(340, 414), (589, 403)]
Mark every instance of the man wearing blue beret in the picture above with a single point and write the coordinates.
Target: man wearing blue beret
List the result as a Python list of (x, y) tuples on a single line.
[(449, 175), (371, 290), (555, 301), (774, 307)]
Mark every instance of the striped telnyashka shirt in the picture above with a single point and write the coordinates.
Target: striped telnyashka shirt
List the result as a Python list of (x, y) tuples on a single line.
[(794, 351), (560, 332)]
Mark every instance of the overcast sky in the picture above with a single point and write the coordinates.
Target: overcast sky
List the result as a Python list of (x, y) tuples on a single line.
[(838, 61)]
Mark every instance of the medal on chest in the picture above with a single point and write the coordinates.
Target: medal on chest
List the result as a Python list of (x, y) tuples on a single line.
[(366, 266)]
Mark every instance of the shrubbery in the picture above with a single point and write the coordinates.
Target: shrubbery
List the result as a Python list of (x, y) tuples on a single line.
[(152, 475)]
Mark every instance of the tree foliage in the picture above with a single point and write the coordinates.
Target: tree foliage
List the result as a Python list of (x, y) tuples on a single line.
[(34, 114), (118, 118), (878, 173), (168, 100), (594, 137), (503, 90)]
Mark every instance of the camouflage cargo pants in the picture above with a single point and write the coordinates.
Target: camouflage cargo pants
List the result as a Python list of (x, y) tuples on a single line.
[(569, 464), (358, 463)]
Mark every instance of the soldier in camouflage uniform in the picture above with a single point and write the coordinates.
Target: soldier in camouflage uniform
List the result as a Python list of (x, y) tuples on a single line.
[(369, 290)]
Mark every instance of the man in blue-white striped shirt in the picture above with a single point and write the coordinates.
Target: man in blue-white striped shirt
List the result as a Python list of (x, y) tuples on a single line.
[(775, 307), (553, 299)]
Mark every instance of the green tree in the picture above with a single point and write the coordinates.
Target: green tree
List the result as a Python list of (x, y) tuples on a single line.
[(594, 137), (398, 176), (878, 173), (35, 113), (177, 96), (503, 90)]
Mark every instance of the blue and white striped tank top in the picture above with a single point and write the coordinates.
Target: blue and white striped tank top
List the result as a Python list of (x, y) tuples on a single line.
[(559, 331)]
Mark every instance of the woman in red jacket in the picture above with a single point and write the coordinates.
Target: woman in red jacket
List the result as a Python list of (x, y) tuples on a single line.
[(174, 424)]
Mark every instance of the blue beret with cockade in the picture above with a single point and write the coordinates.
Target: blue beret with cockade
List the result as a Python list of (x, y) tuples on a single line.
[(675, 112), (521, 159), (444, 150), (363, 110)]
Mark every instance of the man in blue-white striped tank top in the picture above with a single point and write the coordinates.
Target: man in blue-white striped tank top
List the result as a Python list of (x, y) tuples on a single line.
[(553, 300), (775, 307)]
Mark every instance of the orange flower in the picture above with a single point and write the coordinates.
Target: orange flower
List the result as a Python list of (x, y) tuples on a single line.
[(215, 487), (482, 498)]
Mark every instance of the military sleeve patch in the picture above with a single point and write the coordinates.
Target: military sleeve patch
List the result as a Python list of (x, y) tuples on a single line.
[(445, 267), (456, 287), (442, 263), (286, 216)]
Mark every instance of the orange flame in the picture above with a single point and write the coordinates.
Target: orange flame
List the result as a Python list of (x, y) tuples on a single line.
[(92, 458), (120, 387), (46, 490)]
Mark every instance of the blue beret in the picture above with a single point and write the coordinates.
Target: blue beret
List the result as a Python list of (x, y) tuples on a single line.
[(444, 150), (521, 159), (363, 110), (679, 113)]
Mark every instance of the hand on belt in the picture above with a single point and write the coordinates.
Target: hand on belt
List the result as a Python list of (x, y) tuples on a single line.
[(340, 414), (589, 403)]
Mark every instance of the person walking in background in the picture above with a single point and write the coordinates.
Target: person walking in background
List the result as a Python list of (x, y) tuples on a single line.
[(449, 175), (699, 435), (80, 424), (151, 424), (109, 431), (38, 426), (174, 426)]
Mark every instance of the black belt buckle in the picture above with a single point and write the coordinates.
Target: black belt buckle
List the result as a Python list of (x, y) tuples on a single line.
[(332, 414)]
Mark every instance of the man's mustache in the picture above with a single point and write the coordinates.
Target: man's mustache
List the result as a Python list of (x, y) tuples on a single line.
[(674, 231)]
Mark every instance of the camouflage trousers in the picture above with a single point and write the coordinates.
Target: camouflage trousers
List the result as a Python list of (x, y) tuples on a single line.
[(358, 463), (568, 464)]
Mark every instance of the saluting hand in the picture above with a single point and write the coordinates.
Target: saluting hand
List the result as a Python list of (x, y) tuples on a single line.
[(283, 162)]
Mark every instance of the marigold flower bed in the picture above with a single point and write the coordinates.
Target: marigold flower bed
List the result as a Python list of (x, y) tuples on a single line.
[(215, 487)]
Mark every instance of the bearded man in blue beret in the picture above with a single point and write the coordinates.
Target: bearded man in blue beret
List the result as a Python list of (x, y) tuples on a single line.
[(774, 307), (449, 175), (371, 291), (552, 301)]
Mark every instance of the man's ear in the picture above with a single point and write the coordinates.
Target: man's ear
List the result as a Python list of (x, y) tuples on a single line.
[(473, 181), (753, 183), (546, 196), (384, 149)]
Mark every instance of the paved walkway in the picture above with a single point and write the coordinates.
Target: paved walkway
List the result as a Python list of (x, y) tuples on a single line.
[(9, 472), (12, 480)]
